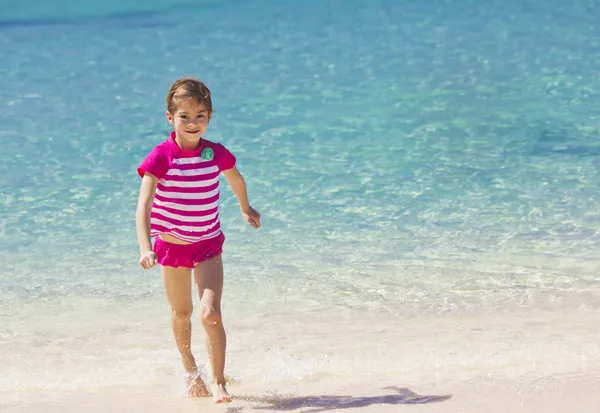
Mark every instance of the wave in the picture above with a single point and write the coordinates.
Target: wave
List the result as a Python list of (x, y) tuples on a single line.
[(49, 12)]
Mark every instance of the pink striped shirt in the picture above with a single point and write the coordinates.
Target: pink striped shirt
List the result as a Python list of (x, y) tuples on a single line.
[(186, 202)]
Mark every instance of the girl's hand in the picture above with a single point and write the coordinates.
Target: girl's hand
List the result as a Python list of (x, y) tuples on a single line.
[(148, 260), (252, 216)]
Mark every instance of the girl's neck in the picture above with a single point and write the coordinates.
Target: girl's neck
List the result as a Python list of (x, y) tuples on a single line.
[(185, 145)]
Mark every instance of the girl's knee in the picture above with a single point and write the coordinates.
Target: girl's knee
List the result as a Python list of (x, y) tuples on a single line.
[(210, 315), (182, 316)]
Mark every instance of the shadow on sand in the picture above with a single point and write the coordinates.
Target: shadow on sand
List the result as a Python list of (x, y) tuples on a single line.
[(316, 404)]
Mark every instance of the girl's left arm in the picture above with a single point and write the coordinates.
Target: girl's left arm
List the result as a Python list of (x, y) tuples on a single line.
[(238, 185)]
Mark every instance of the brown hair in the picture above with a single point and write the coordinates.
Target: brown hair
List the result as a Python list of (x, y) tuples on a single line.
[(188, 88)]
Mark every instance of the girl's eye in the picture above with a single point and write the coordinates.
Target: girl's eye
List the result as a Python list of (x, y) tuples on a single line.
[(200, 116), (183, 116)]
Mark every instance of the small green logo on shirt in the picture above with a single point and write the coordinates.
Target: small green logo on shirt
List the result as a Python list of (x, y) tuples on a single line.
[(207, 154)]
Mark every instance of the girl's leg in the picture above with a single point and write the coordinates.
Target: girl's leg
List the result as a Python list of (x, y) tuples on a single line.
[(209, 278), (178, 287)]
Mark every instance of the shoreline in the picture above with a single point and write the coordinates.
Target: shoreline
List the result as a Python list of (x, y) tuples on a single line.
[(519, 361)]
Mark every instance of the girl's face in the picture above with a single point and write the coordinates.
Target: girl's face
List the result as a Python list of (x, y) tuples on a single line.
[(190, 122)]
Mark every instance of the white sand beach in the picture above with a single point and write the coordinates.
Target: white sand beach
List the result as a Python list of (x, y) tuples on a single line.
[(525, 360)]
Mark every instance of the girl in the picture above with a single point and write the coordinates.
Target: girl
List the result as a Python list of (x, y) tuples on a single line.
[(179, 205)]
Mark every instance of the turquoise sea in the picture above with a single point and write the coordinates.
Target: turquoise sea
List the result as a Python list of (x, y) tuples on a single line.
[(411, 160)]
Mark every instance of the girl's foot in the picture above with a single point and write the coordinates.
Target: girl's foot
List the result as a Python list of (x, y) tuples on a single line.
[(219, 393), (195, 386)]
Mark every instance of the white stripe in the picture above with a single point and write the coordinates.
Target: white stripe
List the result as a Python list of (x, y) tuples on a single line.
[(196, 239), (186, 238), (186, 195), (181, 207), (186, 184), (192, 172), (187, 161), (186, 218), (169, 225)]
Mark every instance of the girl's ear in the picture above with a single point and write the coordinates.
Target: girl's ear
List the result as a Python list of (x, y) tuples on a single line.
[(170, 118)]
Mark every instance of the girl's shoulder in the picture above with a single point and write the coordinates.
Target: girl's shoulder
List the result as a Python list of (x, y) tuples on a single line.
[(157, 161), (217, 151), (211, 144)]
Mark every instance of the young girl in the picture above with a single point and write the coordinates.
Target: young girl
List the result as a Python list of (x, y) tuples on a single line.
[(179, 205)]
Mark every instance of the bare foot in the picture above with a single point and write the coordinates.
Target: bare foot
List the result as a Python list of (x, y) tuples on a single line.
[(220, 394), (195, 386)]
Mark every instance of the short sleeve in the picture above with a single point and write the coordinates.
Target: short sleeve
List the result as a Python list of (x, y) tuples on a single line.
[(156, 163), (226, 160)]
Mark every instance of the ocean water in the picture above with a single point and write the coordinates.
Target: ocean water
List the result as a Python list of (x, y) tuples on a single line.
[(411, 161)]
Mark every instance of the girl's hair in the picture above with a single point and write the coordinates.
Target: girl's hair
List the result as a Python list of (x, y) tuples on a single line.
[(188, 88)]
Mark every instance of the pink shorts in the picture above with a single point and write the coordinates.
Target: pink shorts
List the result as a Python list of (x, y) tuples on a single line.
[(177, 255)]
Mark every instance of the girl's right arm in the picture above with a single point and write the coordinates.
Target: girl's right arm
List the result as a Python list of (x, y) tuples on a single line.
[(148, 258)]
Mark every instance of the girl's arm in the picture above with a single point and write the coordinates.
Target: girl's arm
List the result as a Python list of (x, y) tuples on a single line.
[(238, 185), (142, 220)]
